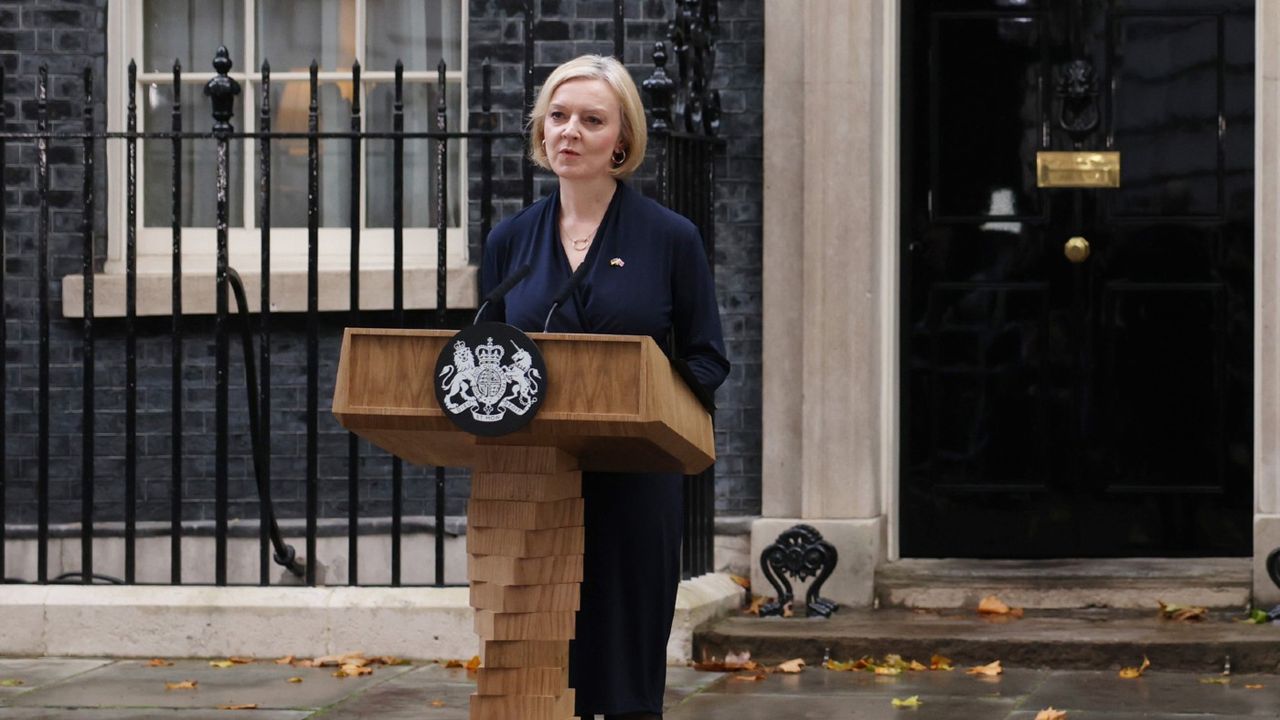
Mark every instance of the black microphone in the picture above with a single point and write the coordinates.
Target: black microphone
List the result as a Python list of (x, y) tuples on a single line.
[(503, 288), (563, 293)]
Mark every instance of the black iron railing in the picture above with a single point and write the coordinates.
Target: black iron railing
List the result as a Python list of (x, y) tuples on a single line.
[(686, 155)]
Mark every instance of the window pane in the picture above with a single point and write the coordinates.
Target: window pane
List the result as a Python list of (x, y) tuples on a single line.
[(419, 32), (292, 33), (419, 155), (289, 108), (190, 31), (199, 160)]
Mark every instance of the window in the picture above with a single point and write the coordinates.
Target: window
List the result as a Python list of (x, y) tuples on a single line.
[(289, 34)]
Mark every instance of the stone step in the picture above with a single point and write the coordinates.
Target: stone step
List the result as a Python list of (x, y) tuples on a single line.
[(1129, 583), (1096, 640)]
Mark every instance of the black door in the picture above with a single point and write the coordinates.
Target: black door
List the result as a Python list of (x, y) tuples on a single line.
[(1096, 407)]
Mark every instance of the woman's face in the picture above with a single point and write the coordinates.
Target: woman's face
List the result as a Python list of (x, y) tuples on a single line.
[(582, 129)]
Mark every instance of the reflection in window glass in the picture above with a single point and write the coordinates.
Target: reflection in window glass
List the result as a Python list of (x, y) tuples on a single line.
[(419, 32), (190, 31), (419, 155), (292, 33), (290, 102), (198, 158)]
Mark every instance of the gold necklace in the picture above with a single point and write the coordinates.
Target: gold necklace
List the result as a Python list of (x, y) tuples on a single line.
[(582, 243)]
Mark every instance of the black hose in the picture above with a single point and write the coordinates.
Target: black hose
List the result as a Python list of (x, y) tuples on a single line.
[(285, 555)]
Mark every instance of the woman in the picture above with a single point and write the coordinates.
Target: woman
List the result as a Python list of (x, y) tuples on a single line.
[(646, 274)]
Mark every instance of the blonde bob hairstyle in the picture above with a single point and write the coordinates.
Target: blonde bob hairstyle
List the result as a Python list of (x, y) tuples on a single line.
[(634, 136)]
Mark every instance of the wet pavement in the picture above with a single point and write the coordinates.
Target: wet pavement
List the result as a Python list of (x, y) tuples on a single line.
[(101, 689), (1015, 695)]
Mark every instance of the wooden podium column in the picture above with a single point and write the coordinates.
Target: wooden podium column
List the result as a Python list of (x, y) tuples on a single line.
[(524, 546)]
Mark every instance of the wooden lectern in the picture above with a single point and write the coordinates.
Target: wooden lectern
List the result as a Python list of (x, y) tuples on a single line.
[(613, 403)]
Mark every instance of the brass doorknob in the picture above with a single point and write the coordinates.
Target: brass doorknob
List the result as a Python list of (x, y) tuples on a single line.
[(1076, 249)]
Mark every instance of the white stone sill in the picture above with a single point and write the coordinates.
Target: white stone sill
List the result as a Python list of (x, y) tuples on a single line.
[(288, 290), (420, 623)]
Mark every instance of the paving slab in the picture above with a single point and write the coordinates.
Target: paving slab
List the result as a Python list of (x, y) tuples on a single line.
[(1183, 692), (713, 706), (1106, 715), (684, 682), (144, 714), (34, 673), (134, 684), (439, 693), (430, 692)]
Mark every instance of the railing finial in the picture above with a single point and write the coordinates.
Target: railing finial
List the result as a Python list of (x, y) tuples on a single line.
[(661, 89), (222, 90)]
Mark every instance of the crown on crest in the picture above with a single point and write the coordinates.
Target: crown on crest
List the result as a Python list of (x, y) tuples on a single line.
[(489, 354)]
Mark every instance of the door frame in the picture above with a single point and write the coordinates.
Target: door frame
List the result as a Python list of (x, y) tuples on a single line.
[(804, 475)]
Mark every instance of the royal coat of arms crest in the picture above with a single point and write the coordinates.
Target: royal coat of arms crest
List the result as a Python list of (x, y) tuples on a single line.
[(473, 381)]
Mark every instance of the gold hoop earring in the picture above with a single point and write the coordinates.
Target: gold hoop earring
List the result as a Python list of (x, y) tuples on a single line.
[(619, 160)]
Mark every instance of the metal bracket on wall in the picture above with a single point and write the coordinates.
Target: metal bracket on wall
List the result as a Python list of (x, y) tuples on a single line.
[(802, 553)]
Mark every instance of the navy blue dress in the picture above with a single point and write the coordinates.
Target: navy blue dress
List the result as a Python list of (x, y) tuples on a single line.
[(646, 274)]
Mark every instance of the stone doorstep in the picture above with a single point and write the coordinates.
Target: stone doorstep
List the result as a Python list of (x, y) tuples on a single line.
[(1129, 583), (1096, 640), (202, 621)]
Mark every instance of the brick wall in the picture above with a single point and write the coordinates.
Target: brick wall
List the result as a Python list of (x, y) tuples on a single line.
[(69, 36)]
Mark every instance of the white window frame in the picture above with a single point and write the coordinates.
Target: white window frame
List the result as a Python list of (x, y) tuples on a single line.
[(288, 244)]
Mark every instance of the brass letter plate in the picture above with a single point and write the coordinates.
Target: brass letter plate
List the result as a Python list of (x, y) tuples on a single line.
[(1084, 169)]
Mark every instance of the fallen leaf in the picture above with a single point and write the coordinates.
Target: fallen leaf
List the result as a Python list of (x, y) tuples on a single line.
[(1131, 673), (885, 670), (239, 660), (1050, 714), (223, 664), (940, 662), (437, 703), (182, 685), (246, 706), (1179, 613), (894, 660), (742, 581), (159, 662), (390, 660), (787, 611), (1215, 681), (11, 682), (732, 662), (1257, 617), (353, 671), (838, 666), (915, 666), (454, 664), (294, 680), (792, 666), (286, 660), (992, 605), (753, 677), (739, 661), (989, 670), (911, 702), (1254, 687), (757, 602), (473, 664), (352, 658)]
